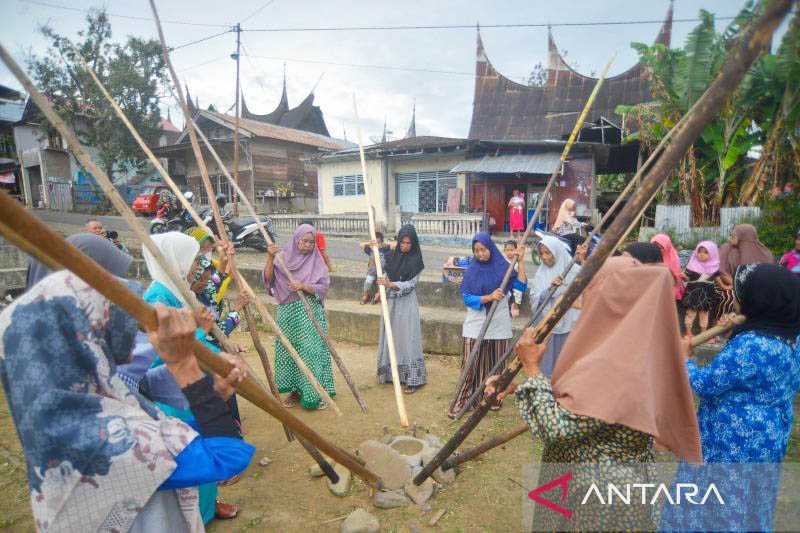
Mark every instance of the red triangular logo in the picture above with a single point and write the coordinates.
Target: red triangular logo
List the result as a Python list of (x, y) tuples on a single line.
[(563, 482)]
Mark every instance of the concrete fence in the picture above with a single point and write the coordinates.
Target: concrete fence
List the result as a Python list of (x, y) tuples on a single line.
[(447, 225), (429, 224), (676, 219)]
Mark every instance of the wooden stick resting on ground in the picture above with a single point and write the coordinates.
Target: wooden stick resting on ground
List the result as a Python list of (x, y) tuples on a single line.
[(476, 346), (741, 55), (46, 245), (282, 266), (484, 447), (387, 322), (492, 443), (263, 311)]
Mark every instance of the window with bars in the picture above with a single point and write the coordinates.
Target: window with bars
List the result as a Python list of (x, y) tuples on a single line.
[(425, 191), (348, 185)]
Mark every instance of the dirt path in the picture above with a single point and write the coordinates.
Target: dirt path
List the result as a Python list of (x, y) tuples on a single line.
[(282, 496)]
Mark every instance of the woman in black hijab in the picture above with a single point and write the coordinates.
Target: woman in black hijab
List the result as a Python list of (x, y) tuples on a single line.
[(403, 267)]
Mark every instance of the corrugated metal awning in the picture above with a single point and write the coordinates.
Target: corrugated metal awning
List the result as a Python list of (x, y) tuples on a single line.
[(543, 163)]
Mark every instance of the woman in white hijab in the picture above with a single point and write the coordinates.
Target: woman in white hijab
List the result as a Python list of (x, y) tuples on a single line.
[(555, 258)]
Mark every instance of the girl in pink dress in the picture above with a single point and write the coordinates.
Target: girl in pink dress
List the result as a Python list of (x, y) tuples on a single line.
[(516, 213)]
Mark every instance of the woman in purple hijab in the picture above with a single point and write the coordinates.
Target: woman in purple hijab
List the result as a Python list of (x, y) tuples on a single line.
[(310, 276)]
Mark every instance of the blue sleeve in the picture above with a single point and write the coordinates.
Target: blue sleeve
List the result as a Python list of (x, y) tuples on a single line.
[(519, 285), (732, 367), (472, 301), (209, 460)]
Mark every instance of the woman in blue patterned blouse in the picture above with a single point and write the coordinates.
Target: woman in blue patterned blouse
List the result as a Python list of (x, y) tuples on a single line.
[(745, 404)]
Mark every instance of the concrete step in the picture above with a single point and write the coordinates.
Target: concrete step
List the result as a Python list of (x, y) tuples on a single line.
[(353, 322), (12, 257), (12, 278)]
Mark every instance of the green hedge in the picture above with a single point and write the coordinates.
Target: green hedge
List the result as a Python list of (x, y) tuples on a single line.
[(779, 222)]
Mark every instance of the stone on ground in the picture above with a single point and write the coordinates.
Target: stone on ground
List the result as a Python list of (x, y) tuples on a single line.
[(422, 493), (265, 461), (360, 521), (315, 471), (343, 486), (387, 463), (389, 499)]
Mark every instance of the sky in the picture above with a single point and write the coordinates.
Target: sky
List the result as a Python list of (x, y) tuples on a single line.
[(433, 68)]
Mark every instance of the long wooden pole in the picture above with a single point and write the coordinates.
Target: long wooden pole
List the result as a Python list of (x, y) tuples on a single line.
[(749, 45), (324, 465), (35, 238), (218, 217), (108, 188), (494, 442), (476, 345), (263, 311), (387, 322), (282, 266)]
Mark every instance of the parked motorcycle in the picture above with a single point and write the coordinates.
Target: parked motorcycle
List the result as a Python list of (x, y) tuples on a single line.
[(180, 222)]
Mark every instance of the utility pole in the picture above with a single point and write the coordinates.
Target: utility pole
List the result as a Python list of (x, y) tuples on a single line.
[(238, 30)]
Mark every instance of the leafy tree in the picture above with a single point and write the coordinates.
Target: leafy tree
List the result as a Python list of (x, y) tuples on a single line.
[(134, 73), (715, 166)]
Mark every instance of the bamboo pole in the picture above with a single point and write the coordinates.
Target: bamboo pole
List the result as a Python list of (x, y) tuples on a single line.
[(748, 46), (282, 266), (494, 442), (35, 238), (263, 311), (387, 322), (108, 188), (324, 465), (476, 346)]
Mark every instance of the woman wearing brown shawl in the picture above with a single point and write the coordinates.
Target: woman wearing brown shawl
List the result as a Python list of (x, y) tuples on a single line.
[(619, 386), (743, 248), (310, 275)]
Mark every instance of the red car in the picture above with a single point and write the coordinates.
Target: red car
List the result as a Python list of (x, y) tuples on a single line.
[(145, 203)]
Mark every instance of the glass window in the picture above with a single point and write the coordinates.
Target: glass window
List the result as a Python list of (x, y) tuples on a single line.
[(348, 185)]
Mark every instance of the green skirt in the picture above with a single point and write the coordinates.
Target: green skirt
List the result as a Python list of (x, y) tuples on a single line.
[(299, 329)]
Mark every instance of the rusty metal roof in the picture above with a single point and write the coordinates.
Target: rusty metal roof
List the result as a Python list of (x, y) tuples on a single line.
[(504, 109), (541, 163)]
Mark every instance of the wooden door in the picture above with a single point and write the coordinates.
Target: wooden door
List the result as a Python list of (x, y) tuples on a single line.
[(495, 202)]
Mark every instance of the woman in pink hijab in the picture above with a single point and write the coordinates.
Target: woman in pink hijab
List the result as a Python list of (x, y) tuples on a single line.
[(673, 262)]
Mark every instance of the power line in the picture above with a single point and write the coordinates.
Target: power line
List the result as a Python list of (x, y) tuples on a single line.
[(184, 45), (204, 63), (361, 65), (472, 26), (117, 15), (256, 12)]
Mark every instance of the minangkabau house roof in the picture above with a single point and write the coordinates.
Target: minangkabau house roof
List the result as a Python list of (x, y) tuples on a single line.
[(507, 110), (305, 117)]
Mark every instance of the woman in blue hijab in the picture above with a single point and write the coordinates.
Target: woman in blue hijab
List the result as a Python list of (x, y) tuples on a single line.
[(480, 288)]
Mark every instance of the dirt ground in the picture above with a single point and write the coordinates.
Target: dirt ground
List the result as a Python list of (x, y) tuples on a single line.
[(283, 497)]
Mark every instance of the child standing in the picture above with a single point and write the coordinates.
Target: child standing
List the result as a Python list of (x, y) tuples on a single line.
[(791, 259), (702, 271), (510, 251), (372, 271)]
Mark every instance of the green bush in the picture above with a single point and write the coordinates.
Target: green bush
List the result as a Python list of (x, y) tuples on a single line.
[(779, 222)]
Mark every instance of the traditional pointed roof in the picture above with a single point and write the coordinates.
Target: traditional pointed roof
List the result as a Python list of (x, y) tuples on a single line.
[(189, 103), (306, 116), (506, 110), (412, 128)]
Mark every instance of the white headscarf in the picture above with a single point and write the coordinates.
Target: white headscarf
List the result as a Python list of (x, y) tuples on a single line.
[(179, 250), (545, 275)]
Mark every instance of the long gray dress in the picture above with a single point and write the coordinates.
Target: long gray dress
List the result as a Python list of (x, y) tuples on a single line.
[(407, 329)]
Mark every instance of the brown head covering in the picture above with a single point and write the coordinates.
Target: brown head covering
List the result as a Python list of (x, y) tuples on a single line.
[(623, 364), (748, 250)]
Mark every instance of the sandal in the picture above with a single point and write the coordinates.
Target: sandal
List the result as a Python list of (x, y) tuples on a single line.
[(322, 405), (410, 390), (292, 400), (225, 511), (232, 481)]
